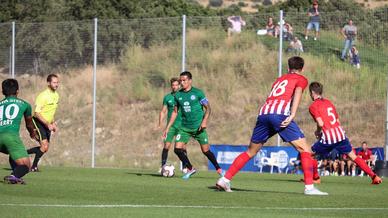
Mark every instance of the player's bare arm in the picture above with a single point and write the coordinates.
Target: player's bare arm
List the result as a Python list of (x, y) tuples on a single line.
[(172, 120), (30, 126), (205, 116), (295, 104), (162, 114), (320, 124)]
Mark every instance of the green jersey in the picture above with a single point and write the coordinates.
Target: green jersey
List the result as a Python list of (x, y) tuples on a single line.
[(190, 104), (169, 101), (12, 110)]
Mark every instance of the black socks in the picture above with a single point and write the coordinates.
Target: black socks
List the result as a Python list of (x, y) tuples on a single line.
[(212, 159)]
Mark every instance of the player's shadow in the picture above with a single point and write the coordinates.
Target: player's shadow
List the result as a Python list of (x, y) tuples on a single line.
[(7, 168), (284, 180), (146, 174), (250, 190), (158, 175)]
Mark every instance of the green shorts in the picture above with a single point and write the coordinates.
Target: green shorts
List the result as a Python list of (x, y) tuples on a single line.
[(12, 144), (172, 132), (185, 134)]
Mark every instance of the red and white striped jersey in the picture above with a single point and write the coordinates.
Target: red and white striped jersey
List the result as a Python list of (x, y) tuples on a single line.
[(280, 99), (332, 131)]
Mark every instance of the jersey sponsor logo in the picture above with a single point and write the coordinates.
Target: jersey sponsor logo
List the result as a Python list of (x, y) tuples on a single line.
[(186, 106), (192, 97)]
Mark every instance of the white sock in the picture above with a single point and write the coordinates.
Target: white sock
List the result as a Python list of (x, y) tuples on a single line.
[(309, 187)]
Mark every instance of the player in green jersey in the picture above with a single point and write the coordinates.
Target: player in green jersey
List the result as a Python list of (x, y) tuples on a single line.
[(12, 110), (195, 110), (168, 108)]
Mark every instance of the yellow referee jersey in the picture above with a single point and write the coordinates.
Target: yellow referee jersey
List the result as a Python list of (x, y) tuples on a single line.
[(46, 104)]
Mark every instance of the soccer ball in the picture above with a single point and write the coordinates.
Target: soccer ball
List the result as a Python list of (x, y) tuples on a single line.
[(168, 170)]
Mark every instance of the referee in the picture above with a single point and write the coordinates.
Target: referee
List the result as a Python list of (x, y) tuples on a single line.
[(46, 104)]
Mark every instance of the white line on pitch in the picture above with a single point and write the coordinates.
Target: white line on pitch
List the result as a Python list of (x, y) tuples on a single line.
[(185, 206)]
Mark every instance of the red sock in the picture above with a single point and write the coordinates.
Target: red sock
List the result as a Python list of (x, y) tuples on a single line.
[(315, 169), (237, 164), (361, 163), (307, 166)]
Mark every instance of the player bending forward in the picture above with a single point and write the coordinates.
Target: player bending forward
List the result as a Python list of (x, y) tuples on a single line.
[(330, 134), (276, 116), (12, 111), (191, 102)]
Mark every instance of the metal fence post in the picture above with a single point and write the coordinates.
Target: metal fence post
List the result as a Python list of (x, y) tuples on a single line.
[(94, 92), (386, 126), (183, 43), (13, 51), (280, 56)]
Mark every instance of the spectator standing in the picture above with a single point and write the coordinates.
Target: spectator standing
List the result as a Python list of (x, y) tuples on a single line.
[(237, 22), (349, 32), (315, 19)]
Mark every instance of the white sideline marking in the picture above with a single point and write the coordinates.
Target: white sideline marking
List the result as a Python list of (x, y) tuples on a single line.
[(184, 206)]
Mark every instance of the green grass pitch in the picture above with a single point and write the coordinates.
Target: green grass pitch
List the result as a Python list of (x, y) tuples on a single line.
[(82, 192)]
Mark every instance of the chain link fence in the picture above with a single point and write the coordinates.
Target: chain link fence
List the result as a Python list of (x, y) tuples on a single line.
[(136, 58)]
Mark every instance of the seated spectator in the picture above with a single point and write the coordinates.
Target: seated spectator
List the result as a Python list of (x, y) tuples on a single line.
[(272, 29), (334, 162), (287, 32), (354, 57), (237, 22), (350, 165), (366, 154), (295, 46)]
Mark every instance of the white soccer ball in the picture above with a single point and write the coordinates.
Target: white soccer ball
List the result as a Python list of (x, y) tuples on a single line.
[(168, 170)]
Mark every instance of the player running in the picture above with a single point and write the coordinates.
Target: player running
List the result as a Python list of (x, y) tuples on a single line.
[(12, 110), (191, 102), (168, 107), (46, 105), (276, 116), (329, 132)]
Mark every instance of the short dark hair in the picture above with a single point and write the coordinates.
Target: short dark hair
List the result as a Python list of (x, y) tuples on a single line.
[(174, 79), (295, 63), (187, 73), (10, 87), (50, 77), (364, 142), (316, 87)]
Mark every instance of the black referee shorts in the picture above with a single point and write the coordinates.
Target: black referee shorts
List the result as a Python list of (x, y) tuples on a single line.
[(42, 131)]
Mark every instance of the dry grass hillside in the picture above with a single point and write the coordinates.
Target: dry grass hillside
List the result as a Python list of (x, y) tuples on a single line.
[(236, 75)]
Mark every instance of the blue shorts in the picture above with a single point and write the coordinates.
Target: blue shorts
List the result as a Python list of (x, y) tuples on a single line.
[(310, 25), (343, 147), (269, 124)]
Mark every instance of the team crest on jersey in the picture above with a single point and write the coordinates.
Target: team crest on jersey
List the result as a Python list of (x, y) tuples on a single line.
[(192, 97)]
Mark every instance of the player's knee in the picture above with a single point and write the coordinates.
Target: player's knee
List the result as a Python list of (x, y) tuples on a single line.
[(167, 146), (205, 152), (23, 162)]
